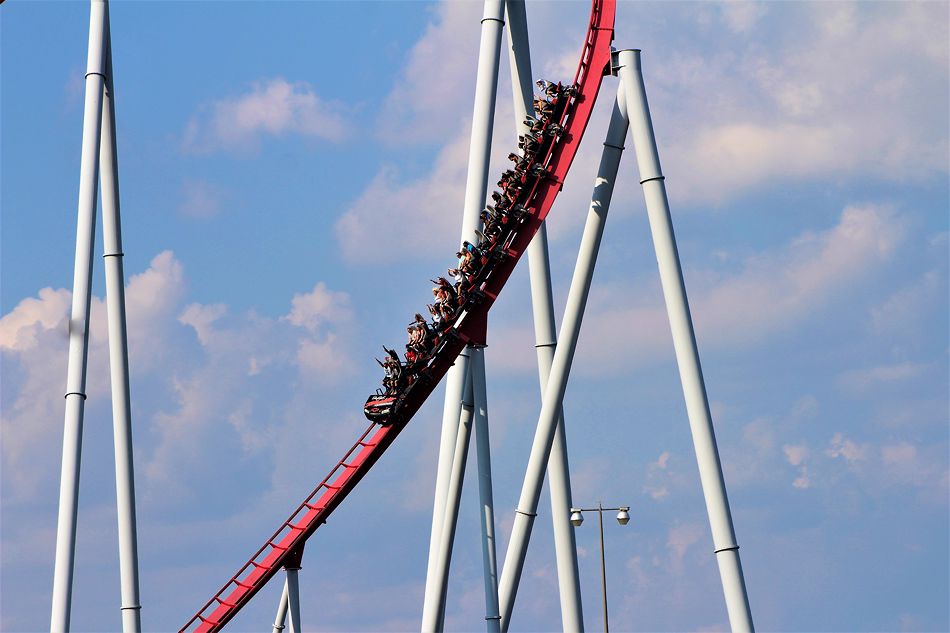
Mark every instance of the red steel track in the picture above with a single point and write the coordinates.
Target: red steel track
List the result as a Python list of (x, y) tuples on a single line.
[(285, 547)]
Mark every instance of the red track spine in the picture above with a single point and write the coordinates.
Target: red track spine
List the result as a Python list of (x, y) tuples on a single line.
[(288, 541)]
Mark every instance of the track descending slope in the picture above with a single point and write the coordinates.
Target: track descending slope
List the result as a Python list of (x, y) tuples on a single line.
[(285, 546)]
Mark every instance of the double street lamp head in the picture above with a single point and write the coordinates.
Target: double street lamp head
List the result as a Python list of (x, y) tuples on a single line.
[(577, 516)]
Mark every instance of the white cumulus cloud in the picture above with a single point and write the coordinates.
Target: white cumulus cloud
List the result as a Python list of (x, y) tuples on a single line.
[(847, 449), (275, 107), (773, 291), (860, 380)]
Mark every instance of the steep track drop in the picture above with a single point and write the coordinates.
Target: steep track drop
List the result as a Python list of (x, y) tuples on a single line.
[(285, 546)]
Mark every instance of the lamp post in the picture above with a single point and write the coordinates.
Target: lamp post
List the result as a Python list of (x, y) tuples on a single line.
[(623, 517)]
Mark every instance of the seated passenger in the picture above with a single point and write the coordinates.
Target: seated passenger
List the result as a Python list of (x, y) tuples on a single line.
[(445, 290), (554, 90), (485, 241), (508, 176), (529, 145), (501, 202), (498, 218), (463, 258), (387, 375), (436, 317), (543, 108), (420, 342), (393, 356), (521, 163), (492, 225), (447, 310), (494, 231), (441, 298), (478, 255), (473, 249), (393, 370), (417, 339), (457, 276), (423, 326), (444, 298), (466, 262), (427, 338)]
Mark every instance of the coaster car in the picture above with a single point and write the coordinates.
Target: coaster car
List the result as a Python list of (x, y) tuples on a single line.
[(378, 407)]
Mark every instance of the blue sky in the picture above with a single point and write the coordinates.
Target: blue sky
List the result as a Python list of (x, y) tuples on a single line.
[(291, 177)]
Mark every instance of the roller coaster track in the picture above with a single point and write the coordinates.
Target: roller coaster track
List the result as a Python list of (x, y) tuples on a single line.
[(285, 547)]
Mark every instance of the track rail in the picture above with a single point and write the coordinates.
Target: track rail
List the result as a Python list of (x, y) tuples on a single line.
[(286, 544)]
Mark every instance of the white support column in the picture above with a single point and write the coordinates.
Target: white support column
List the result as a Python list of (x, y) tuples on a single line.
[(684, 342), (281, 618), (560, 368), (451, 411), (483, 117), (118, 355), (433, 614), (293, 599), (542, 300), (485, 494), (79, 324)]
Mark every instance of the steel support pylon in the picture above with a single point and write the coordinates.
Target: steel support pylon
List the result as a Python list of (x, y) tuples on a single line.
[(561, 365), (476, 185), (435, 618), (280, 620), (98, 152), (545, 333), (485, 493), (293, 599), (684, 341)]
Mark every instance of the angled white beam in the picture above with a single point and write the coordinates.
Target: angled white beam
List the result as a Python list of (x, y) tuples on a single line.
[(561, 366), (118, 355), (433, 615), (545, 334), (451, 411), (483, 117), (684, 342), (280, 619), (79, 324), (293, 599), (485, 494)]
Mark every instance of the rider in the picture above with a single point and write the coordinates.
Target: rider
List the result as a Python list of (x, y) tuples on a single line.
[(412, 344), (529, 143), (458, 277), (436, 316), (393, 371), (521, 163), (543, 108), (492, 227), (445, 297)]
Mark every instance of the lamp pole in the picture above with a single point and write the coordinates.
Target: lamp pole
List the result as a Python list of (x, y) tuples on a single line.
[(603, 565), (623, 517)]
